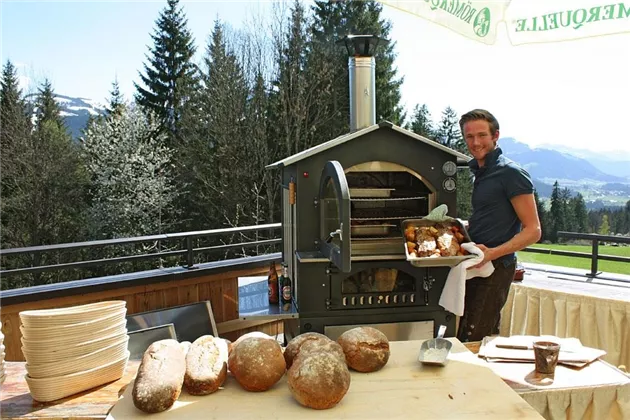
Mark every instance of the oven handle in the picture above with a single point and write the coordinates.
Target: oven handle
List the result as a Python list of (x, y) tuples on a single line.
[(337, 232)]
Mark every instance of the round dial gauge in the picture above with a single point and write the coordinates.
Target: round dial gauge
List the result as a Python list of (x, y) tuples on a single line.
[(449, 184), (449, 168)]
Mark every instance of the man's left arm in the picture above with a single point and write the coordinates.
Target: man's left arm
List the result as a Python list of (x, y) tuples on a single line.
[(525, 208)]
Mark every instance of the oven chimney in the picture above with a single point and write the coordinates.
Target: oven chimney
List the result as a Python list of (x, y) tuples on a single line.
[(362, 72)]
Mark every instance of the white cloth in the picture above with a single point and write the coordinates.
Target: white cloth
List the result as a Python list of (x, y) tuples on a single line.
[(454, 292)]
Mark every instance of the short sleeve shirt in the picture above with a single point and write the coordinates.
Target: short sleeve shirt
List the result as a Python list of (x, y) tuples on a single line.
[(494, 221)]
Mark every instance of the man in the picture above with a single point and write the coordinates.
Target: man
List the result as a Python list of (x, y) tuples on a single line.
[(504, 220)]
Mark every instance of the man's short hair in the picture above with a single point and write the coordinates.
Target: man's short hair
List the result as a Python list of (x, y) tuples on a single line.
[(479, 114)]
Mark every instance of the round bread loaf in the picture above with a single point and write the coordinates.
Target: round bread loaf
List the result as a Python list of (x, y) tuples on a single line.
[(318, 379), (257, 363), (366, 348), (206, 365), (293, 347), (256, 334), (330, 347), (160, 376)]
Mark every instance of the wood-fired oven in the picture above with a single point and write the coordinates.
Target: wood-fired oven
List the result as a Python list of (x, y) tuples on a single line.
[(343, 205)]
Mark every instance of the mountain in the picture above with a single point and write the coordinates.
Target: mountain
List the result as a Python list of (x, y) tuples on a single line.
[(614, 163), (598, 185), (552, 164), (76, 112)]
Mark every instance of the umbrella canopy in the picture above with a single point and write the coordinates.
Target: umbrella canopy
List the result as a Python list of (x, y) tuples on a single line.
[(526, 21)]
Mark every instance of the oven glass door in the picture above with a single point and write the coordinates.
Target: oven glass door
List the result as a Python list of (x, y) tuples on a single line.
[(334, 199)]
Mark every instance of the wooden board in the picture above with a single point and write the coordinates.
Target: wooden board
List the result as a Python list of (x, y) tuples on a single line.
[(16, 401), (403, 389)]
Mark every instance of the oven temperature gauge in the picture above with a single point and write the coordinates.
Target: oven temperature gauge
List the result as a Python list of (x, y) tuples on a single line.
[(449, 184), (449, 168)]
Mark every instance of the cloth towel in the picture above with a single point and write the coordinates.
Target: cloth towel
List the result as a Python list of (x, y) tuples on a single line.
[(454, 292)]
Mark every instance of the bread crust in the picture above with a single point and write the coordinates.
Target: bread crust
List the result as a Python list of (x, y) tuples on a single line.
[(366, 348), (293, 347), (257, 363), (206, 365), (318, 379), (160, 376)]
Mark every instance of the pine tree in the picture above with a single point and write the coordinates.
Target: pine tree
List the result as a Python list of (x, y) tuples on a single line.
[(448, 132), (580, 213), (556, 213), (334, 20), (47, 108), (116, 99), (170, 77), (421, 122), (542, 216)]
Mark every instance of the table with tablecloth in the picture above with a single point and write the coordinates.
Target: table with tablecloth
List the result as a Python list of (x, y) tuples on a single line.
[(598, 315)]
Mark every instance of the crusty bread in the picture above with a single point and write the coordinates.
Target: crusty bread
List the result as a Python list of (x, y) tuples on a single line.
[(257, 363), (318, 379), (366, 348), (293, 347), (206, 365), (160, 376)]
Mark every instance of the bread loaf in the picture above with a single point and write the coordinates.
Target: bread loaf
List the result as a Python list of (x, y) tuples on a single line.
[(257, 363), (318, 379), (293, 347), (160, 376), (366, 348), (206, 365)]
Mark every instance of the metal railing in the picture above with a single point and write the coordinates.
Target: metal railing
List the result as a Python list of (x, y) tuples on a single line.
[(188, 250), (594, 256)]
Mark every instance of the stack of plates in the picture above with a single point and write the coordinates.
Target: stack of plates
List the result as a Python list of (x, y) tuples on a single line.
[(70, 350), (2, 375)]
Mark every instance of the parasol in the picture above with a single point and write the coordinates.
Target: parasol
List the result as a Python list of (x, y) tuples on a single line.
[(525, 21)]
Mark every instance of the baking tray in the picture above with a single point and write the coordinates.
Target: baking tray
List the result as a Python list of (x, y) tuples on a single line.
[(370, 192), (435, 261), (371, 230)]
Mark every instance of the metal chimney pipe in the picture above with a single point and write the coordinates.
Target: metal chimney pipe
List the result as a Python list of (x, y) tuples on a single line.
[(362, 75), (362, 72)]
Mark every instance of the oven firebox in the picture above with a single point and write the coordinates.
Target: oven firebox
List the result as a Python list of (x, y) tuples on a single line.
[(342, 237)]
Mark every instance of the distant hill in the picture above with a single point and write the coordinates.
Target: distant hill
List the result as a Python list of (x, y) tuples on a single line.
[(76, 112), (598, 185), (552, 164)]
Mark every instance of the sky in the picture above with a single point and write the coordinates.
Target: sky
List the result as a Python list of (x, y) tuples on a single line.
[(569, 93)]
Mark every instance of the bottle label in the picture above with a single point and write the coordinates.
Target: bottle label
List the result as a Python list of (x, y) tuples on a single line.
[(286, 293)]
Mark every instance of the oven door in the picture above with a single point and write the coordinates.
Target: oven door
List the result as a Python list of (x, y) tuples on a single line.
[(334, 202)]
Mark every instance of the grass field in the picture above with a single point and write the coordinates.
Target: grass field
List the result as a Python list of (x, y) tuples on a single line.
[(576, 262)]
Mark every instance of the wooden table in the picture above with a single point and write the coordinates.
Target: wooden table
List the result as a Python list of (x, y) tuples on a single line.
[(16, 401), (403, 389)]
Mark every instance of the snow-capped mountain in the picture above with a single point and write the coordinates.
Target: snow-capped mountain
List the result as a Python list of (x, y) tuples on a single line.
[(76, 112)]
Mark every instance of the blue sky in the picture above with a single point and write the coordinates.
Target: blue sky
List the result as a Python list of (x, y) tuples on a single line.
[(570, 93)]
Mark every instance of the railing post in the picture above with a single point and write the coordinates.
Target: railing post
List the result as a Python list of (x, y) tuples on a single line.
[(594, 255), (190, 262)]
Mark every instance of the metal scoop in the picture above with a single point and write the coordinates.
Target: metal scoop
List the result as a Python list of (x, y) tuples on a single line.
[(436, 351)]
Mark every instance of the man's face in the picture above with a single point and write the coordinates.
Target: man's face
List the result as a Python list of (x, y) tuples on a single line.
[(479, 140)]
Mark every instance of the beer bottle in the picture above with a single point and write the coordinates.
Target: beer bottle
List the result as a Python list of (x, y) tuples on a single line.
[(272, 284), (286, 285)]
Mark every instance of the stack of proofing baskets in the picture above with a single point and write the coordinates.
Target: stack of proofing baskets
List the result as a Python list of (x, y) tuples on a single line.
[(73, 349), (2, 375)]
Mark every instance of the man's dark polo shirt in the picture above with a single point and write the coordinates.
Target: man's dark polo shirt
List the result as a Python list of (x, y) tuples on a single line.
[(494, 221)]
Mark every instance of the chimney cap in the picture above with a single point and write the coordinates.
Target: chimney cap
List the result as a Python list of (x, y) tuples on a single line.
[(362, 45)]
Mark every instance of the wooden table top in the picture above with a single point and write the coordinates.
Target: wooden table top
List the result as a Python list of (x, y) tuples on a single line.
[(16, 401)]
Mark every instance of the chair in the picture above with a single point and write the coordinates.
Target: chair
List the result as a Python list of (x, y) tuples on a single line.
[(190, 321), (140, 340)]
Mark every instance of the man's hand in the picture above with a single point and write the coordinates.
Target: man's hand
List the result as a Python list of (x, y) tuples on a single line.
[(488, 255)]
